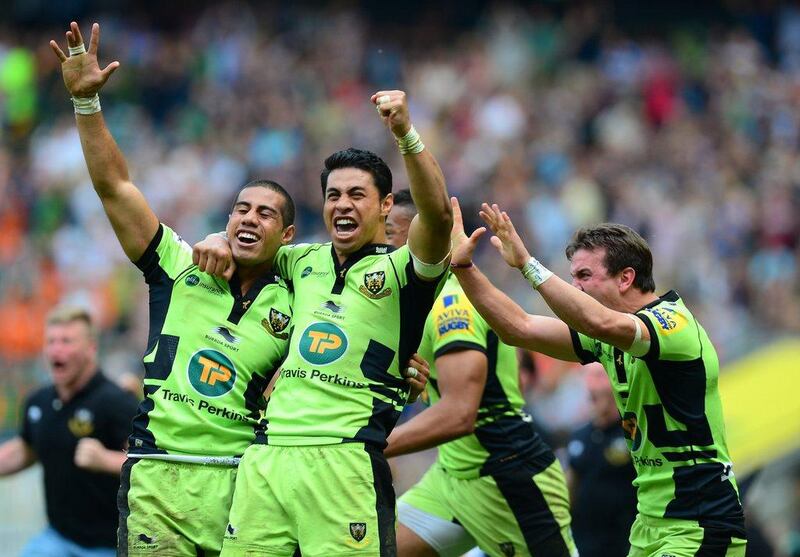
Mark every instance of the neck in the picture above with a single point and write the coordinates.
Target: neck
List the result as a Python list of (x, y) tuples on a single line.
[(67, 392), (636, 300), (249, 275)]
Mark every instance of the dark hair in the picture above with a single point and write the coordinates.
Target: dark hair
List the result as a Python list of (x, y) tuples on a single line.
[(287, 210), (363, 160), (624, 248), (402, 198)]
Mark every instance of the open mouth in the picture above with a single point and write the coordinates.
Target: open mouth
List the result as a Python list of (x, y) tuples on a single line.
[(246, 238), (344, 225), (58, 365)]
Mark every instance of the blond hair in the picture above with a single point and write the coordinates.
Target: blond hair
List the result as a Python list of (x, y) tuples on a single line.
[(63, 314)]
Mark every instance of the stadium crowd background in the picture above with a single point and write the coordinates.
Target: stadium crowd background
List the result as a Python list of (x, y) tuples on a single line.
[(680, 120)]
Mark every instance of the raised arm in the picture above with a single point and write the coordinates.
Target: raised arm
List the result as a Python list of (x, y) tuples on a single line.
[(429, 233), (512, 324), (133, 221), (573, 306)]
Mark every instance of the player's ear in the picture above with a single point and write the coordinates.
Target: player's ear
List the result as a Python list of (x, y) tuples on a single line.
[(626, 278), (288, 234), (386, 205)]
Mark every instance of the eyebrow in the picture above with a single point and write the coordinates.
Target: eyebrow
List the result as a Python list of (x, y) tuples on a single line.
[(347, 189), (260, 207)]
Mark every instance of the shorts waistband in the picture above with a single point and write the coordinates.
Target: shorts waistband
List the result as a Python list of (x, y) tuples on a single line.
[(231, 461)]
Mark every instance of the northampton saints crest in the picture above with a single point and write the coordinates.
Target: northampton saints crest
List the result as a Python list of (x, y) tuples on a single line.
[(358, 530), (278, 321), (373, 285)]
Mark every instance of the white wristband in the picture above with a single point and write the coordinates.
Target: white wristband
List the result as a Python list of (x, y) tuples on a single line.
[(535, 273), (410, 143), (86, 105)]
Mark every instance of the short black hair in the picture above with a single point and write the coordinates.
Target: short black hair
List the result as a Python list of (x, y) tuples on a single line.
[(363, 160), (624, 248), (287, 210), (402, 198)]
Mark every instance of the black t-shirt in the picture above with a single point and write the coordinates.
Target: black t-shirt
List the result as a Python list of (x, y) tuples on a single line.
[(604, 504), (81, 505)]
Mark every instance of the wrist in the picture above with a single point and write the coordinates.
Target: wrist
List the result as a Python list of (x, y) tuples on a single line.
[(535, 273), (410, 143), (86, 105), (466, 265)]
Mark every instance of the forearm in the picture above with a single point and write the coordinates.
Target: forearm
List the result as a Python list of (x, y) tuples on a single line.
[(113, 461), (431, 237), (502, 313), (576, 308), (433, 426), (105, 161)]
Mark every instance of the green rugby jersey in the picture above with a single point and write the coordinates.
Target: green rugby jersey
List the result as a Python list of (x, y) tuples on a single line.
[(355, 327), (504, 433), (672, 416), (210, 354)]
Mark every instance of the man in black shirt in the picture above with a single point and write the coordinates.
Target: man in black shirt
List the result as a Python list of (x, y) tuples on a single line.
[(600, 474), (76, 428)]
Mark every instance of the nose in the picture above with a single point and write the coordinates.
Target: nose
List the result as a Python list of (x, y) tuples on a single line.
[(249, 217)]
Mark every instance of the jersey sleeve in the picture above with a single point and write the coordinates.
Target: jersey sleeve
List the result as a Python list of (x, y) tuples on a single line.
[(456, 325), (287, 258), (586, 348), (167, 256), (673, 333)]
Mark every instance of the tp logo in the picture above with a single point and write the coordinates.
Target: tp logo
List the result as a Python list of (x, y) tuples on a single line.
[(322, 343), (211, 373)]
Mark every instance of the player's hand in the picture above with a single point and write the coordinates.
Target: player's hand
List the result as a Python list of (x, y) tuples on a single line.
[(463, 245), (393, 108), (90, 454), (505, 238), (214, 256), (82, 74), (416, 374)]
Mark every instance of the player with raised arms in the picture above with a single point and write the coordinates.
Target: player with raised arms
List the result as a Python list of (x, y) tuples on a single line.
[(661, 364), (213, 344), (317, 480)]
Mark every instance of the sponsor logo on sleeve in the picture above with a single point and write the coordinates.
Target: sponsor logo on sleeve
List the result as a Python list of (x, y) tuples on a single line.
[(211, 373), (322, 343), (374, 284), (669, 320), (454, 317)]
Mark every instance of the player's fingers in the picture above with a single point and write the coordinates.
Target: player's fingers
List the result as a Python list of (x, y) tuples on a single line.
[(496, 242), (70, 39), (111, 68), (58, 52), (76, 31), (202, 261), (216, 267), (229, 270), (457, 218), (94, 40), (476, 235)]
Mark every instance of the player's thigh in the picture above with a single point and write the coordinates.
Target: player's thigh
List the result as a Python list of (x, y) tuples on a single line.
[(427, 525), (345, 503), (173, 509), (524, 511), (258, 523), (656, 537)]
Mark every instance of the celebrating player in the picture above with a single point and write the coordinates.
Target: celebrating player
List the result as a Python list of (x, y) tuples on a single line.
[(318, 479), (661, 364), (213, 344), (495, 484)]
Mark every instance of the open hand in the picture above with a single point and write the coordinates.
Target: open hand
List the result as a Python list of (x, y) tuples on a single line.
[(463, 245), (505, 238), (82, 74)]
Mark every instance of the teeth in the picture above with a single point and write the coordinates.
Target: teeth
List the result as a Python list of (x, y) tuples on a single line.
[(344, 221), (247, 236)]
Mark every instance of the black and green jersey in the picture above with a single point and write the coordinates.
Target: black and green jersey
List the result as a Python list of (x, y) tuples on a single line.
[(503, 434), (210, 354), (355, 327), (672, 416)]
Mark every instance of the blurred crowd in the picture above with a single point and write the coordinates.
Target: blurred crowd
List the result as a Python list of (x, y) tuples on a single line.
[(689, 136)]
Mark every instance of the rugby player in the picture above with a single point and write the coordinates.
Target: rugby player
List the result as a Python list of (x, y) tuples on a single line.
[(317, 480), (213, 344), (495, 483), (660, 361)]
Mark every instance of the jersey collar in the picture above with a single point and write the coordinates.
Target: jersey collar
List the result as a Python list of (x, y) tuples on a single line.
[(341, 270), (670, 296), (242, 303)]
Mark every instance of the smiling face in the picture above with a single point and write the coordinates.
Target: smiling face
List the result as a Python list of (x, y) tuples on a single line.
[(70, 352), (255, 226), (354, 212)]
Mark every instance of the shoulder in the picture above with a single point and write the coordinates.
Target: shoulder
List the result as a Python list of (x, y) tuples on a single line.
[(41, 395), (109, 394)]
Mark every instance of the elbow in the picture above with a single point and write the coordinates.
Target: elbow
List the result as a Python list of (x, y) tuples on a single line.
[(464, 423), (599, 326)]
